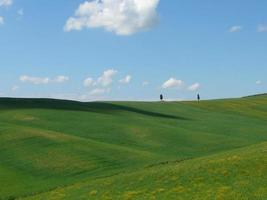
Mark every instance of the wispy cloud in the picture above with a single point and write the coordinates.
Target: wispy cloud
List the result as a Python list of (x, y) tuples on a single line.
[(99, 91), (61, 79), (34, 80), (15, 88), (2, 20), (88, 82), (20, 13), (235, 29), (43, 80), (127, 79), (262, 28), (259, 82), (145, 83), (5, 2), (194, 87)]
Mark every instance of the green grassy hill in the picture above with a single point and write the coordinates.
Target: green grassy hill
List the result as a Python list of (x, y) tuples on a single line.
[(237, 174), (53, 149)]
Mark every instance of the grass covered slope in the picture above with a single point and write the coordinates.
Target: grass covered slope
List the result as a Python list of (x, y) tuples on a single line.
[(237, 174), (47, 144)]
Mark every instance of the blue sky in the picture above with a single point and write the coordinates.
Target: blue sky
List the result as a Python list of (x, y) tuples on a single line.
[(132, 49)]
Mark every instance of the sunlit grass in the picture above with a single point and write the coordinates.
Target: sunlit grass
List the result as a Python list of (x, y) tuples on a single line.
[(53, 149)]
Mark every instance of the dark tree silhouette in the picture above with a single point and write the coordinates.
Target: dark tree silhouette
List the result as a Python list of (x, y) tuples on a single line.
[(198, 97), (161, 97)]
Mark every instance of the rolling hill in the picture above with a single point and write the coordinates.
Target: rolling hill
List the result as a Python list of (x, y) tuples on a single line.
[(55, 149)]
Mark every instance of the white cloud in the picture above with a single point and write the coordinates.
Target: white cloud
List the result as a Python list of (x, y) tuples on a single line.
[(127, 79), (99, 91), (102, 84), (2, 20), (107, 78), (43, 80), (34, 80), (262, 28), (173, 83), (123, 17), (5, 2), (234, 29), (61, 79), (145, 83), (88, 82), (15, 88), (258, 82), (194, 87)]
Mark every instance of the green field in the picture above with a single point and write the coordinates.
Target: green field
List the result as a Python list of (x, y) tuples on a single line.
[(54, 149)]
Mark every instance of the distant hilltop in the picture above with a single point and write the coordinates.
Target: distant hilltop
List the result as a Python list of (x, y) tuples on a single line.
[(256, 95)]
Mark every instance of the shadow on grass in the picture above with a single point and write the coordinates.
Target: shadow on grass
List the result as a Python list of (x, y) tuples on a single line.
[(97, 107)]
